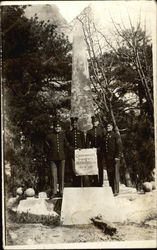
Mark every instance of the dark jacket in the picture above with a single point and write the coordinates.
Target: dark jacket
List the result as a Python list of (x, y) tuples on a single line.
[(57, 144), (111, 146), (94, 138), (76, 140)]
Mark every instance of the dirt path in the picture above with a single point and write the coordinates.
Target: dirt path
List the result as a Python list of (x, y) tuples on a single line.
[(29, 234)]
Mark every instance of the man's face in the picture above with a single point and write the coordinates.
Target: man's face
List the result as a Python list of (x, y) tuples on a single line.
[(57, 128), (109, 127), (95, 123), (74, 124)]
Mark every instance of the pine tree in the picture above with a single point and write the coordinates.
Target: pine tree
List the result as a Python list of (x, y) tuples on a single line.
[(36, 71)]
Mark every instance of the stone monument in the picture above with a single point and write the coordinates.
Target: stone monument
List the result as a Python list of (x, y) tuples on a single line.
[(80, 204), (81, 95)]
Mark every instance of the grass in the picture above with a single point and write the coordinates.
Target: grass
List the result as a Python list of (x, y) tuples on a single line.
[(31, 218)]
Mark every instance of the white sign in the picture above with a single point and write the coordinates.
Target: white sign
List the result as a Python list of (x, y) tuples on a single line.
[(86, 161)]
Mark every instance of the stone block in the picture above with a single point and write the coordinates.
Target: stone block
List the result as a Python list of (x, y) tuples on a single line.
[(105, 183), (12, 202), (42, 195), (34, 206), (126, 190), (147, 186), (79, 205), (30, 192)]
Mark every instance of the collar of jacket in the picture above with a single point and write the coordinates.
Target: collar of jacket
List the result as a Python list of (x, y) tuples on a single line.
[(57, 132), (74, 129), (110, 133)]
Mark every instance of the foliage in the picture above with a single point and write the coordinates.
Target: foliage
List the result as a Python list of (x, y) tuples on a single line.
[(37, 83), (32, 218), (36, 60), (122, 83)]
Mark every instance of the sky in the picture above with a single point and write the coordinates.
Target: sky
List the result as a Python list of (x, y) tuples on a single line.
[(70, 9), (119, 10)]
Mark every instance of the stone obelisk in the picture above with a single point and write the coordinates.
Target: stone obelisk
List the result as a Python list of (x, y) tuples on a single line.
[(80, 204), (81, 95)]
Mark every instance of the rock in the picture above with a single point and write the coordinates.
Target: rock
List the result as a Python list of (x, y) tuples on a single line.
[(127, 190), (19, 191), (12, 235), (35, 206), (12, 202), (106, 226), (153, 185), (147, 186), (30, 242), (42, 195), (138, 209), (30, 192), (151, 223)]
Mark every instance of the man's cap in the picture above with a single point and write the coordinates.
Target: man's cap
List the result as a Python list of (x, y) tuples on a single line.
[(94, 119), (109, 123), (56, 122), (73, 119)]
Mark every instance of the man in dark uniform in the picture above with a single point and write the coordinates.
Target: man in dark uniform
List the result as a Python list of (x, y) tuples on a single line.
[(76, 140), (112, 154), (94, 139), (57, 143)]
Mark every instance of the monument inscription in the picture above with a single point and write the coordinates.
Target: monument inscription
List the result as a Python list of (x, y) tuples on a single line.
[(86, 162)]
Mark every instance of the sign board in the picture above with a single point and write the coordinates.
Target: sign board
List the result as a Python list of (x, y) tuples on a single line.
[(86, 161)]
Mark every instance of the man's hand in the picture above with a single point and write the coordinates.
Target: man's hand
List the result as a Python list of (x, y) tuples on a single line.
[(117, 159)]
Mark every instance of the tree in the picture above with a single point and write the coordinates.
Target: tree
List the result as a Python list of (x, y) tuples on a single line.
[(124, 69), (36, 62)]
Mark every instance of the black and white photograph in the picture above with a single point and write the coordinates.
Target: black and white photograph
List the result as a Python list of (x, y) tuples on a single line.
[(78, 115)]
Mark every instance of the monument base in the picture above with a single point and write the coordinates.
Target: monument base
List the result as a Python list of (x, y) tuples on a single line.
[(81, 204)]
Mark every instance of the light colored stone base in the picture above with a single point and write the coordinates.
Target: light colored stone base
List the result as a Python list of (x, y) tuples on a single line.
[(35, 206), (80, 204)]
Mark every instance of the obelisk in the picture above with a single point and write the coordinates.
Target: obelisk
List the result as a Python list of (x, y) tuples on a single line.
[(80, 204), (81, 95)]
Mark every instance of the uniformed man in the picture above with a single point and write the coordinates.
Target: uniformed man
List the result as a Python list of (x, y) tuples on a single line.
[(94, 139), (112, 155), (57, 142), (76, 140)]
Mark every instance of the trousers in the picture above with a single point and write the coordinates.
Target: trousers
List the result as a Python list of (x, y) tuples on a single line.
[(110, 164), (98, 179), (79, 181), (57, 172)]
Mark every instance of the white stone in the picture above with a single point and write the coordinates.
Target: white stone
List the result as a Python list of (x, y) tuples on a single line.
[(152, 223), (138, 209), (34, 206), (12, 201), (147, 186), (19, 191), (30, 192), (126, 190), (12, 235), (105, 183), (42, 195), (81, 204)]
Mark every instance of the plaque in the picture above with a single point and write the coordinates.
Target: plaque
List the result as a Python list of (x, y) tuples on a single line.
[(86, 162)]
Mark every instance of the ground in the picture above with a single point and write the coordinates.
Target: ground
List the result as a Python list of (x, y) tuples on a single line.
[(141, 226), (21, 234)]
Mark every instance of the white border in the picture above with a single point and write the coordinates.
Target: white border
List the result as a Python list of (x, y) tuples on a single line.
[(95, 245)]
